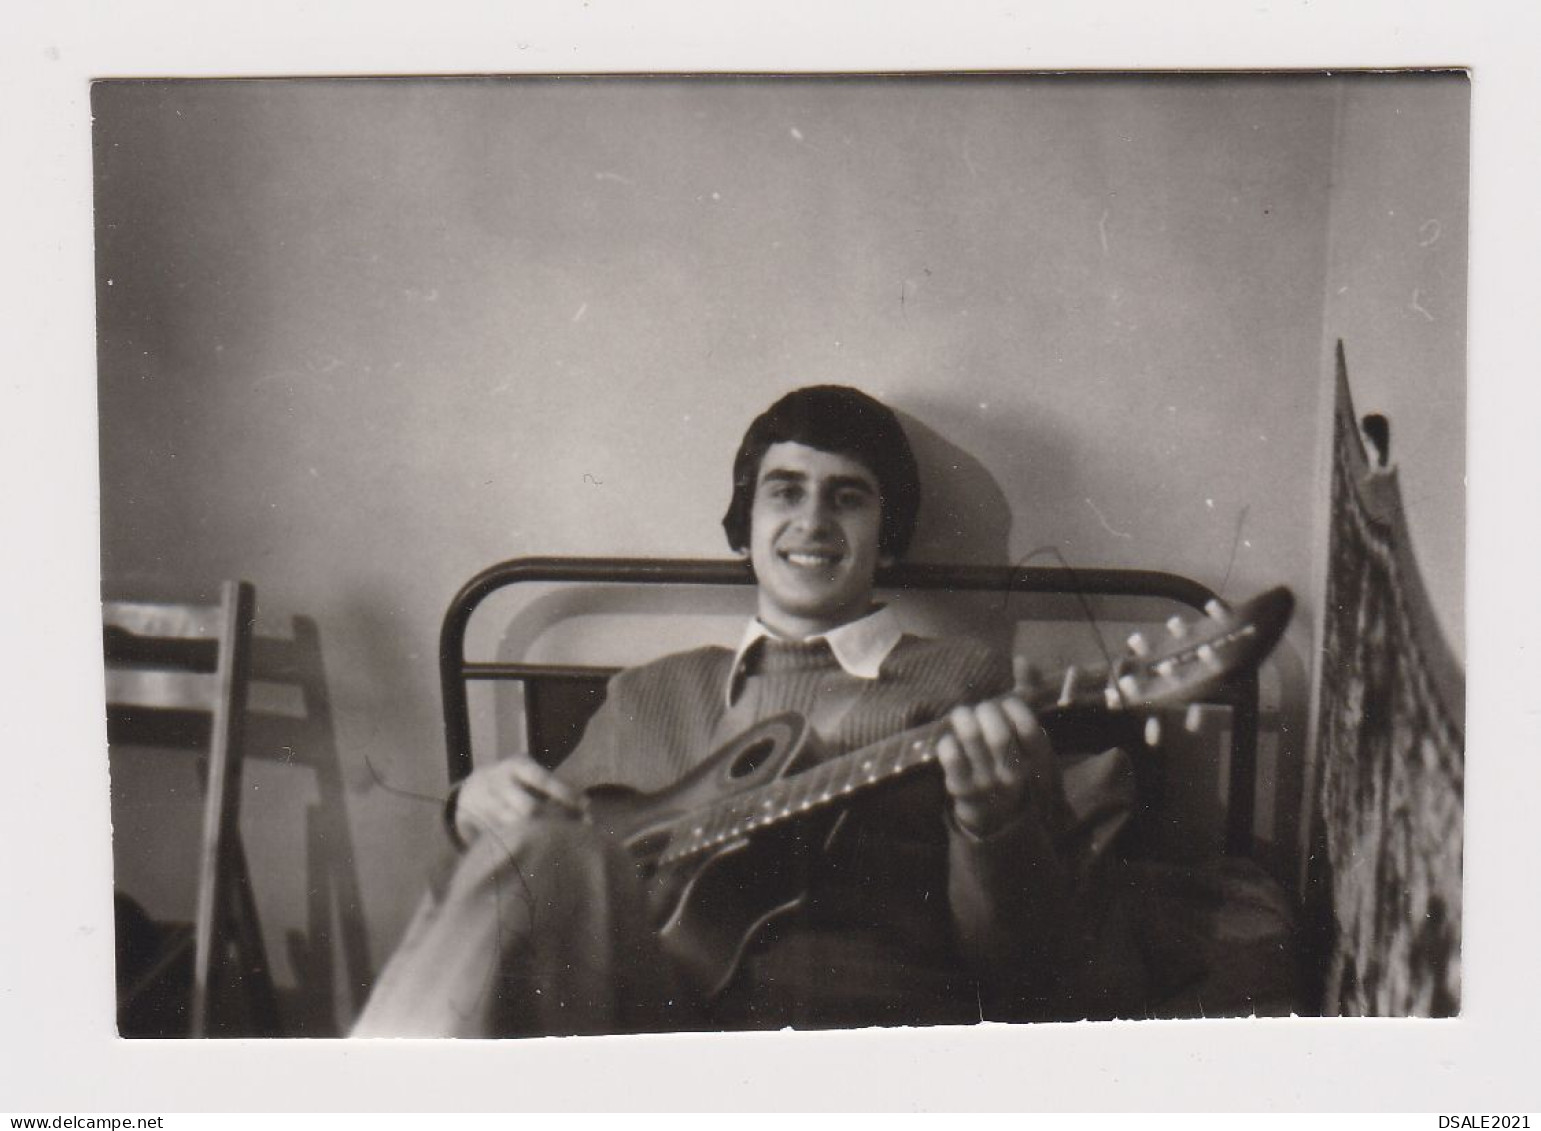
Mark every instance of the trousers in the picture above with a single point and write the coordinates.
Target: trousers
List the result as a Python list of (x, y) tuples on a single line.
[(538, 930)]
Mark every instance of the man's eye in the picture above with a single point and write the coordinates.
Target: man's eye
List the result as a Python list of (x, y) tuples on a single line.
[(784, 493), (852, 500)]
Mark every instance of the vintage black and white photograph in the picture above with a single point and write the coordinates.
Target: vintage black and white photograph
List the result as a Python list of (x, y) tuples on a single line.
[(706, 552), (654, 556)]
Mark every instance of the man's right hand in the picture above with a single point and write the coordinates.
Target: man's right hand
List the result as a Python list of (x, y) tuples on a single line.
[(508, 793)]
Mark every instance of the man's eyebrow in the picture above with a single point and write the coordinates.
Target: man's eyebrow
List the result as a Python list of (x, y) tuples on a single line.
[(847, 481), (835, 482), (782, 475)]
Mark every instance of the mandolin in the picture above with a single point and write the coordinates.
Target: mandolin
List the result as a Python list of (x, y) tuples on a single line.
[(714, 848)]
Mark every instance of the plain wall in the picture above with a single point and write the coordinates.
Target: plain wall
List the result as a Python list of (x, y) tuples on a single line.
[(1396, 296), (360, 339)]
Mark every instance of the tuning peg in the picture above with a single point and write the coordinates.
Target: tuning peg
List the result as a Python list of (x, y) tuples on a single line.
[(1152, 731), (1139, 645), (1207, 656), (1217, 609), (1177, 627), (1129, 686), (1067, 688), (1028, 679), (1193, 718)]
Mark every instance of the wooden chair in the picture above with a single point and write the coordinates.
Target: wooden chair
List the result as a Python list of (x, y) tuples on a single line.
[(177, 675)]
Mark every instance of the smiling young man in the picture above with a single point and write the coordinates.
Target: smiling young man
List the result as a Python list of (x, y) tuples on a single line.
[(930, 895)]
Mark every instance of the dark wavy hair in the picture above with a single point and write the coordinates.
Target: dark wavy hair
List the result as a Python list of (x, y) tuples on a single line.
[(843, 421)]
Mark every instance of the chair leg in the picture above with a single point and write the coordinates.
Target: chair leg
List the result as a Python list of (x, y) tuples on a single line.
[(251, 965)]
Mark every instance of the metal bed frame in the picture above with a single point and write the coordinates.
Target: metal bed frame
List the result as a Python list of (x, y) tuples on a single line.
[(456, 672)]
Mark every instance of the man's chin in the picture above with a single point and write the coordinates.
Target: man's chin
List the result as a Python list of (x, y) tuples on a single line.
[(815, 595), (831, 613)]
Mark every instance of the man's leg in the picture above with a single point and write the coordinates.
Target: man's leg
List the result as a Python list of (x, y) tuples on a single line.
[(537, 931)]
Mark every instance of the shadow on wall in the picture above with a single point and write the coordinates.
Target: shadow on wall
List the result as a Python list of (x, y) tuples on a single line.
[(290, 724), (964, 519), (964, 515)]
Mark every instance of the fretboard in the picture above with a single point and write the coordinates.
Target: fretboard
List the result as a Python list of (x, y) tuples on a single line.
[(790, 797), (832, 781), (1198, 657)]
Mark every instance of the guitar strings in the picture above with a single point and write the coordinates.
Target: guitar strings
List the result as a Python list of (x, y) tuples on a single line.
[(1077, 590), (1241, 522)]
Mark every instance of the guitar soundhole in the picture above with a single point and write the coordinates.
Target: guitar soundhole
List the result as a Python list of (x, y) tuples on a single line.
[(751, 758)]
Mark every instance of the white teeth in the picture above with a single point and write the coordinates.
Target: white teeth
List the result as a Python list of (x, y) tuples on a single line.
[(811, 560)]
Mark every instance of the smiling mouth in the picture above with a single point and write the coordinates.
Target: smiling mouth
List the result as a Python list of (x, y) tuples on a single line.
[(811, 559)]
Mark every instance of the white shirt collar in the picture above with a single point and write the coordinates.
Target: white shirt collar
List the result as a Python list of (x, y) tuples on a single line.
[(859, 646)]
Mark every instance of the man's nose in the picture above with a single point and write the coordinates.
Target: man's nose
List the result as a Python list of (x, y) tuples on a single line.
[(815, 513)]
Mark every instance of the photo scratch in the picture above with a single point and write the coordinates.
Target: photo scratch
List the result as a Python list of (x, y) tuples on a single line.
[(1102, 230), (1418, 306), (1103, 520), (1236, 540), (578, 317), (616, 177), (1428, 233)]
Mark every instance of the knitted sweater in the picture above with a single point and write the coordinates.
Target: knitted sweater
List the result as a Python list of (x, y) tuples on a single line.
[(906, 911)]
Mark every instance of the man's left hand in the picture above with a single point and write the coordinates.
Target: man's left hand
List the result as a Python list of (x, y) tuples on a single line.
[(990, 757)]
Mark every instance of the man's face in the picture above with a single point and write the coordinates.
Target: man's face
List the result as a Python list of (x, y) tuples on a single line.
[(813, 539)]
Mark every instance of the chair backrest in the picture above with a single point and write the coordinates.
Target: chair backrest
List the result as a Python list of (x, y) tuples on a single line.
[(177, 674)]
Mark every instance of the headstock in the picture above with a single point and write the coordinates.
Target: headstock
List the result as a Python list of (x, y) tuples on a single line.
[(1193, 658)]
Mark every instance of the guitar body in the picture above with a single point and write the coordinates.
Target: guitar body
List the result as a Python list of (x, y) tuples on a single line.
[(708, 905)]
